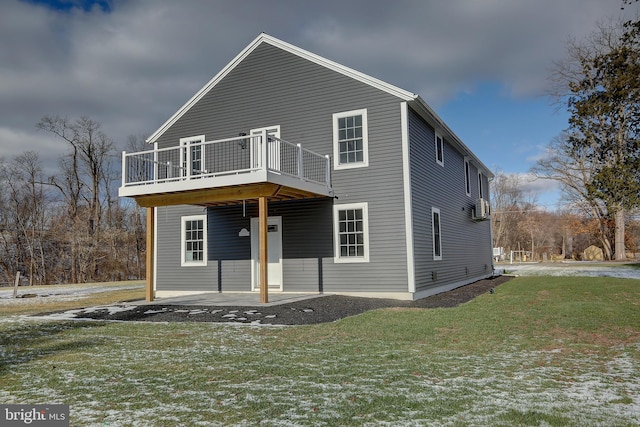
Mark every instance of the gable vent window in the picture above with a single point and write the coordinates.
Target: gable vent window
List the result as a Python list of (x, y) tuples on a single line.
[(350, 139)]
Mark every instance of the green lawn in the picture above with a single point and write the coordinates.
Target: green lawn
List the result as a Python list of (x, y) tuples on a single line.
[(540, 351)]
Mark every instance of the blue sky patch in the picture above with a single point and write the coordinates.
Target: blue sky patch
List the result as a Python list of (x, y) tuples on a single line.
[(69, 5)]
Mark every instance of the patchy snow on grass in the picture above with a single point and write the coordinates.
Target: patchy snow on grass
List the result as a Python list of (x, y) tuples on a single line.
[(386, 396), (58, 292), (574, 269), (142, 374)]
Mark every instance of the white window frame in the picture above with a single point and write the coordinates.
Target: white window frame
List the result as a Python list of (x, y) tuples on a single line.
[(365, 232), (186, 163), (439, 147), (467, 176), (273, 147), (436, 257), (480, 186), (183, 241), (365, 140)]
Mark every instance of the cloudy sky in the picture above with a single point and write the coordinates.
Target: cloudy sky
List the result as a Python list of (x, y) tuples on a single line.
[(130, 64)]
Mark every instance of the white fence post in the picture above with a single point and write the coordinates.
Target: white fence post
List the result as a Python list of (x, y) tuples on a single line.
[(15, 286)]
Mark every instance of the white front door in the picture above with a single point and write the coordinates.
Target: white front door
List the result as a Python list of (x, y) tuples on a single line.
[(274, 253), (273, 148)]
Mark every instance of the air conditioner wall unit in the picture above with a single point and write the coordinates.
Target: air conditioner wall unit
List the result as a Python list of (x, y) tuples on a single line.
[(482, 210)]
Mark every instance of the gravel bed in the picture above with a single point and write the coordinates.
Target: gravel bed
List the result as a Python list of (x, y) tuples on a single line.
[(311, 311)]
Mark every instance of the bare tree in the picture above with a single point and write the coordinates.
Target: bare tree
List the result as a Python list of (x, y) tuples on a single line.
[(517, 222), (575, 171), (85, 186), (506, 198), (24, 217), (46, 231)]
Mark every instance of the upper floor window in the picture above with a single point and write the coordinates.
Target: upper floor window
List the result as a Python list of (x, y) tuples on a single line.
[(194, 240), (437, 236), (351, 229), (350, 139), (439, 149), (467, 177), (480, 187)]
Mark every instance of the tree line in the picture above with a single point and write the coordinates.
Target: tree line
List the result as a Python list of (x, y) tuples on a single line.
[(69, 227), (521, 225), (597, 158)]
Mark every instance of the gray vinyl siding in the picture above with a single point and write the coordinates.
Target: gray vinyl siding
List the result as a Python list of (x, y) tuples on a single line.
[(236, 275), (227, 249), (170, 275), (274, 87), (306, 238), (301, 274), (466, 244)]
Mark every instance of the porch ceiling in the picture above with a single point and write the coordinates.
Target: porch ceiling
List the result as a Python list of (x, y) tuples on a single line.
[(222, 196)]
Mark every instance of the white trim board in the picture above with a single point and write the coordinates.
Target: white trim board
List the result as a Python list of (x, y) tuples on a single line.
[(408, 206)]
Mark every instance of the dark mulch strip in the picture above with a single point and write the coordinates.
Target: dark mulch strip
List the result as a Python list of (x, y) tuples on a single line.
[(316, 310)]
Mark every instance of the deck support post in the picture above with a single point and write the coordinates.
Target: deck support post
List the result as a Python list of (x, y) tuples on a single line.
[(151, 220), (264, 258)]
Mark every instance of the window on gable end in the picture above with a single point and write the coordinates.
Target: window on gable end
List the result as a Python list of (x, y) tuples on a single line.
[(480, 187), (439, 146), (350, 139)]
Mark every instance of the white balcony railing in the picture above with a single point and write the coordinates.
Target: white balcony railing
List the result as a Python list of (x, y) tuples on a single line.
[(225, 158)]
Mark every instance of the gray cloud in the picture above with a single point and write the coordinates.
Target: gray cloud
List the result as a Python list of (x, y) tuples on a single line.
[(132, 67)]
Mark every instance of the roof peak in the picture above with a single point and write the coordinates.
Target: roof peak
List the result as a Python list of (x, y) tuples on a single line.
[(273, 41)]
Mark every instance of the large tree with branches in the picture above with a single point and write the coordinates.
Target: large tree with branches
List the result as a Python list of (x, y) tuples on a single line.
[(598, 158)]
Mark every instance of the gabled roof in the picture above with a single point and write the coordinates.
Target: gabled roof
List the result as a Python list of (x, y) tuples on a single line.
[(415, 101)]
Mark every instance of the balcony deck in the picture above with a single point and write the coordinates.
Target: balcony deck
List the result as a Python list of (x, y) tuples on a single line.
[(224, 172)]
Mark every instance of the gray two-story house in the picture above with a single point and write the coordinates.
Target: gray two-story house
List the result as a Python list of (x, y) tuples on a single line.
[(288, 172)]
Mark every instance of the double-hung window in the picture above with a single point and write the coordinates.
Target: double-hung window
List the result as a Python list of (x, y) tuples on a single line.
[(351, 232), (439, 147), (436, 233), (194, 240), (350, 139)]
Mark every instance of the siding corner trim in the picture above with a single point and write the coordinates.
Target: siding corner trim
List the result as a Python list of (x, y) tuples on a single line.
[(408, 213)]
